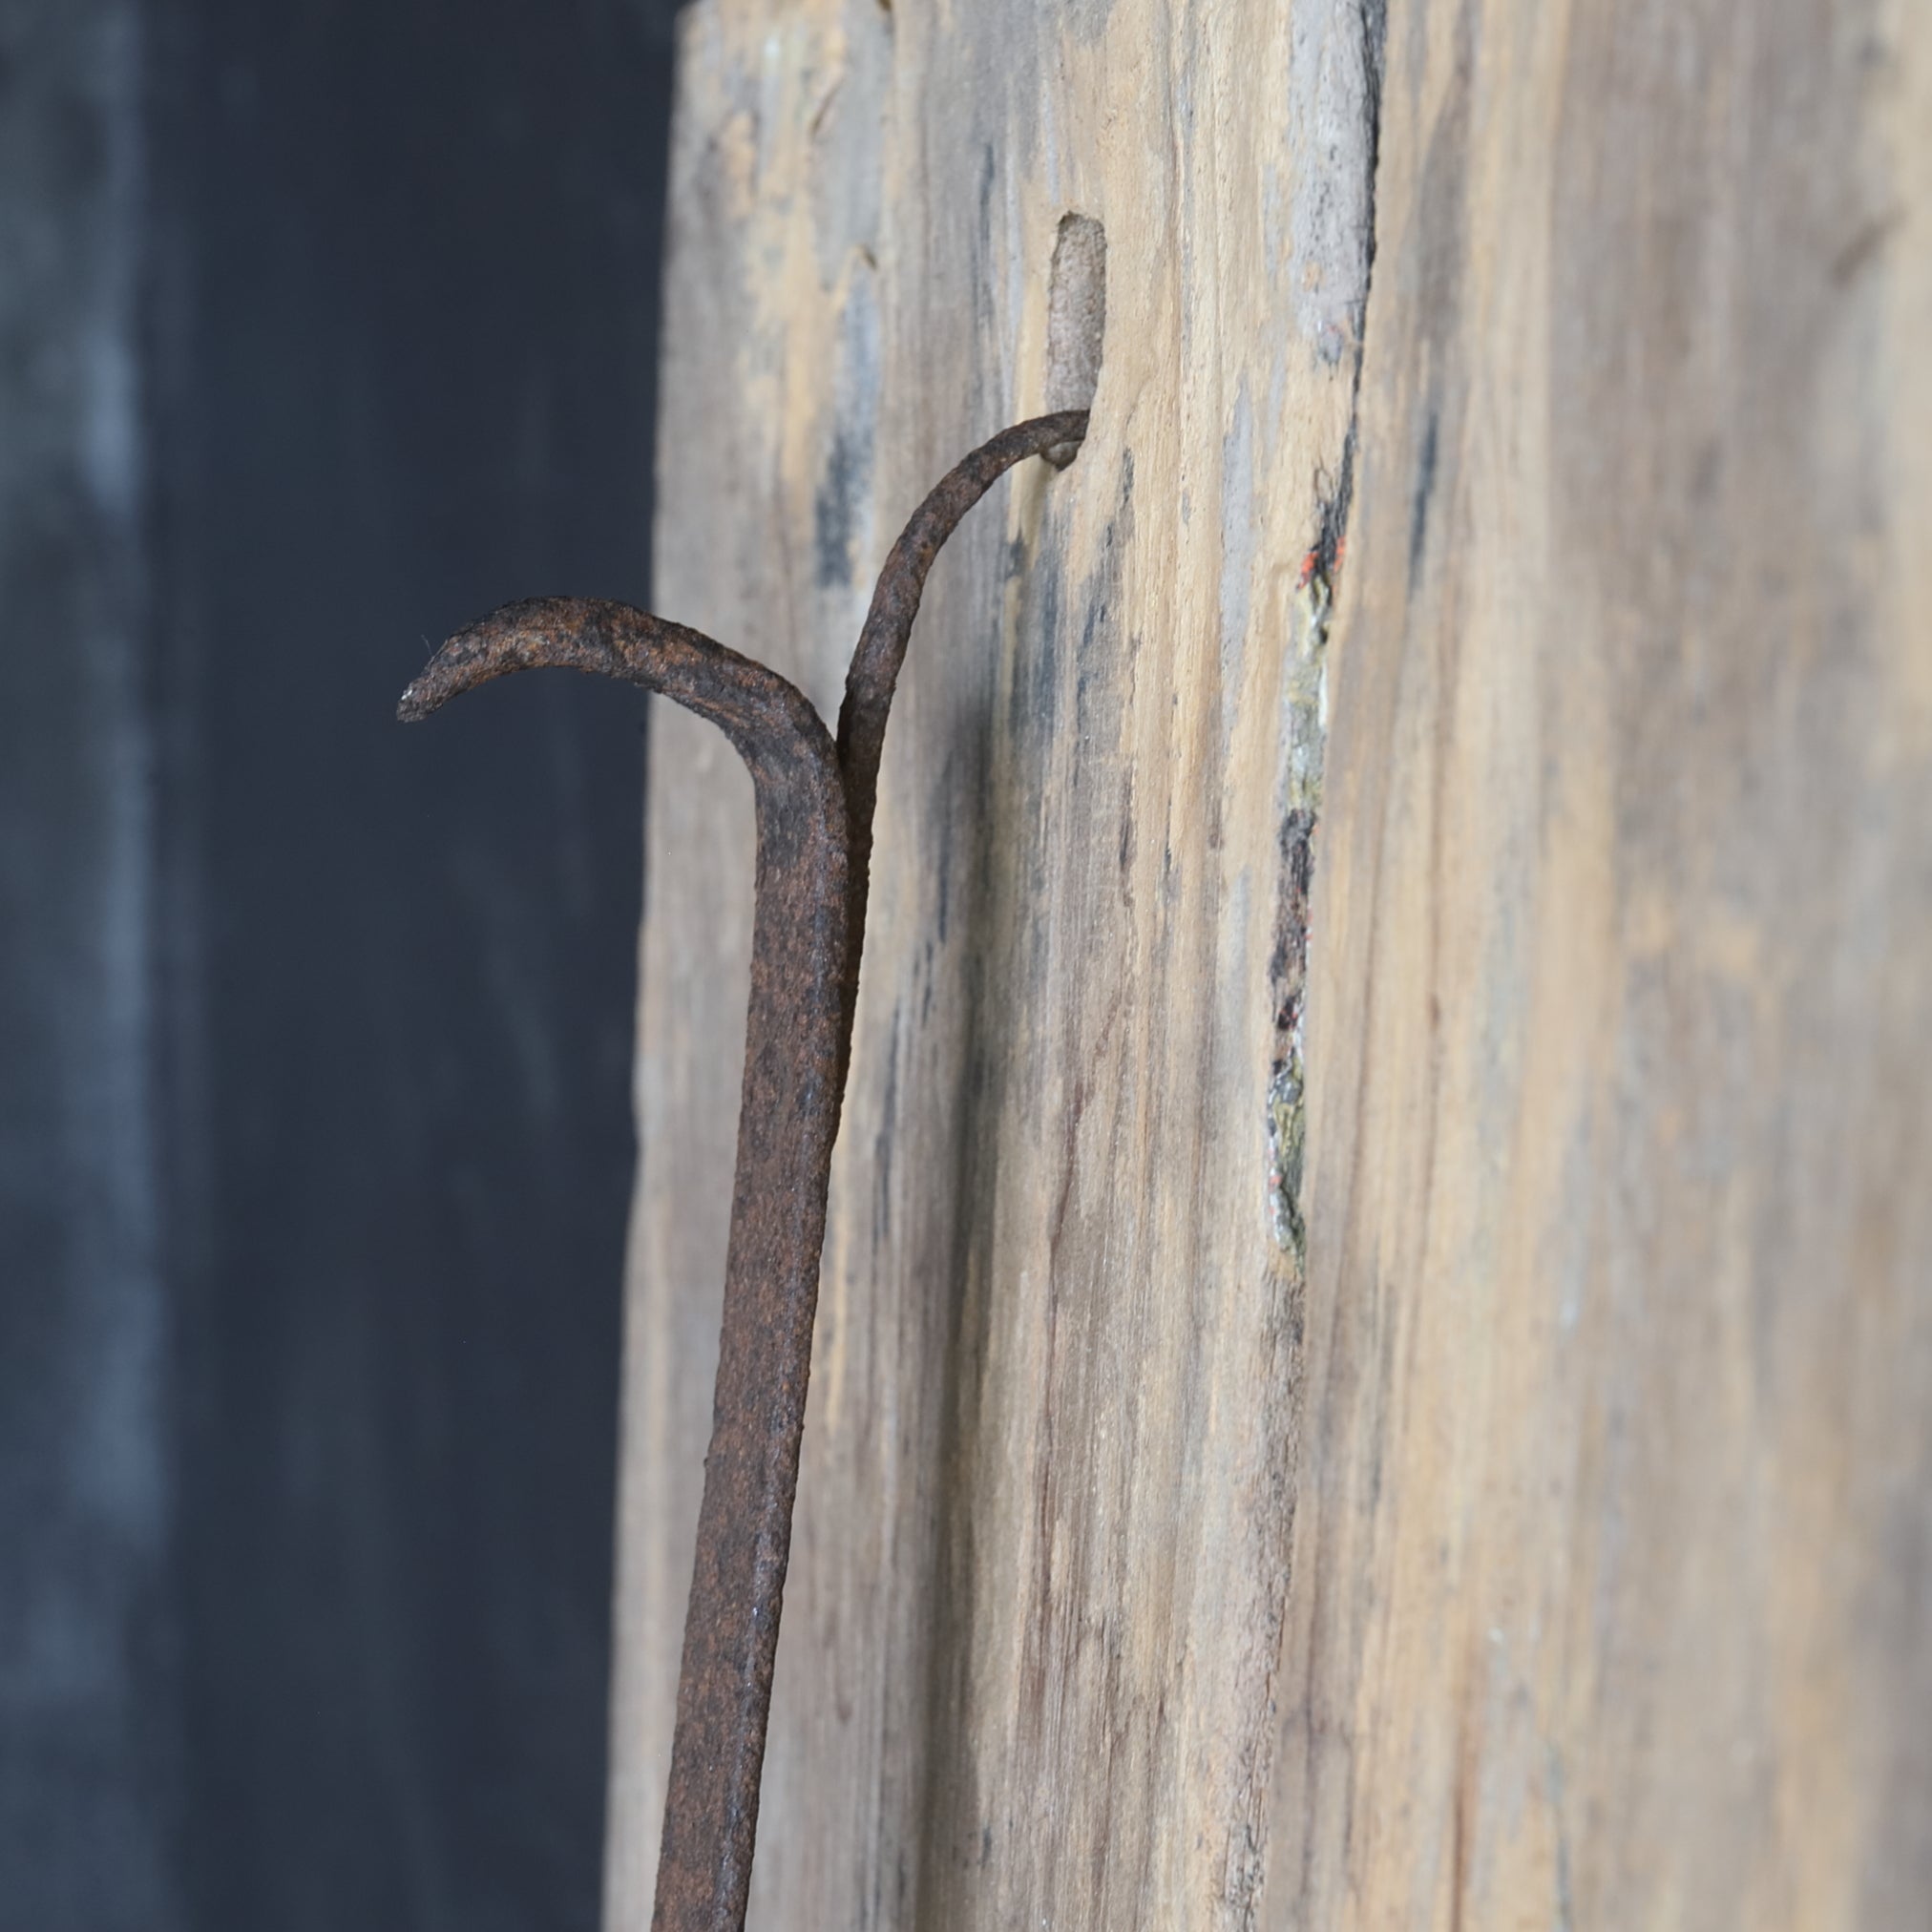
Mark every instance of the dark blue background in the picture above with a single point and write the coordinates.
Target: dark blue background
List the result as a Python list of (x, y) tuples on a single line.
[(315, 1141)]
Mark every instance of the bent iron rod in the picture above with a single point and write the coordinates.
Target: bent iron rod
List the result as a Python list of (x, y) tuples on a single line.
[(816, 801)]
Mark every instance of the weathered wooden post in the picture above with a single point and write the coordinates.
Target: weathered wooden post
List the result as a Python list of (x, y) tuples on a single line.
[(1420, 1415)]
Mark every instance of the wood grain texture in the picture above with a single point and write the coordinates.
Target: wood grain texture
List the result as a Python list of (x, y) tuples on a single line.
[(1612, 1598), (1586, 1584)]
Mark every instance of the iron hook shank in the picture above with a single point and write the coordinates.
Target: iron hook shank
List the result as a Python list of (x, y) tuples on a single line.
[(815, 805)]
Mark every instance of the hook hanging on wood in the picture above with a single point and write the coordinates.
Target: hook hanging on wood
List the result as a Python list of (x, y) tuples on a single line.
[(814, 802)]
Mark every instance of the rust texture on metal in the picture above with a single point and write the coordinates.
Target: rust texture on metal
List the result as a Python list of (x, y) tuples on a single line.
[(814, 804)]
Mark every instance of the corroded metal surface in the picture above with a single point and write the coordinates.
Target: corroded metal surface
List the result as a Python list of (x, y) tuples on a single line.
[(814, 815)]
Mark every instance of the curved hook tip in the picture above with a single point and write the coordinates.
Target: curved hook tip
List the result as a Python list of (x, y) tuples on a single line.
[(475, 654), (453, 670), (442, 678)]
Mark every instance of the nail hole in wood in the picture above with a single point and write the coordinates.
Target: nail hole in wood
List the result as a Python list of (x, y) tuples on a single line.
[(1076, 320)]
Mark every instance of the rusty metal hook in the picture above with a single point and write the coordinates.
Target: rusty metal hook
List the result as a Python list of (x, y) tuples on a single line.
[(815, 802)]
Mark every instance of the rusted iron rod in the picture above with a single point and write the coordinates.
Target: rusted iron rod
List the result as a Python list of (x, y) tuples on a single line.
[(815, 816)]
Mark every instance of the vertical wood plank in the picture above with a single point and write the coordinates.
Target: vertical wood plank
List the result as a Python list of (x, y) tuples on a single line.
[(1611, 1601), (1041, 1561)]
